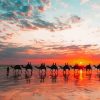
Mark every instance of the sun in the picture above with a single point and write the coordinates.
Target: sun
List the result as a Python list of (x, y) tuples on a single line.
[(81, 61)]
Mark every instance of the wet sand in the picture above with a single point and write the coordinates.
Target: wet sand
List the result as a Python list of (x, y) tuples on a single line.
[(79, 86)]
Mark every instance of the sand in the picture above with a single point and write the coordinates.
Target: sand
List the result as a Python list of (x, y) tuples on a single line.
[(80, 86)]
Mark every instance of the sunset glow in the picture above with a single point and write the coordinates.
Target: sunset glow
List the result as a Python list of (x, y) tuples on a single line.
[(50, 31)]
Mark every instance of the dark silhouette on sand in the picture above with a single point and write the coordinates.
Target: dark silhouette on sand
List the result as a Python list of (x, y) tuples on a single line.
[(76, 68), (42, 67), (88, 68), (42, 72), (66, 67), (97, 67), (8, 69), (53, 68), (28, 67), (17, 69)]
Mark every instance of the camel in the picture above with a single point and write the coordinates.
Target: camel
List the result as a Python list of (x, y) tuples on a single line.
[(76, 67), (66, 67), (41, 68), (28, 67), (97, 67), (42, 72), (17, 68), (88, 68), (53, 68)]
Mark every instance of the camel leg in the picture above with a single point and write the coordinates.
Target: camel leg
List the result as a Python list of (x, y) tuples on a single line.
[(86, 70), (21, 70), (68, 70), (31, 72), (63, 72), (45, 72), (91, 70)]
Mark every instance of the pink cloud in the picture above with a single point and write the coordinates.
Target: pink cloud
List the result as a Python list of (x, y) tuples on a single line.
[(95, 6), (47, 4)]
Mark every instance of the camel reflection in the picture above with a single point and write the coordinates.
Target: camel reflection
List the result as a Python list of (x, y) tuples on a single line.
[(89, 75), (78, 76), (98, 76), (7, 71), (42, 75), (54, 76), (27, 77), (66, 76)]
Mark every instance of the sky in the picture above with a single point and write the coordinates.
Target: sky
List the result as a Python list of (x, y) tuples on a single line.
[(49, 31)]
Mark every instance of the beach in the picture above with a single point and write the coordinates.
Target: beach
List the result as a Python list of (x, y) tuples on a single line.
[(81, 86)]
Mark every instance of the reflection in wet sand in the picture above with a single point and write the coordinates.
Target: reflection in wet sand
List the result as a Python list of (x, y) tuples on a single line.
[(54, 76), (42, 76), (40, 86), (66, 76), (27, 77)]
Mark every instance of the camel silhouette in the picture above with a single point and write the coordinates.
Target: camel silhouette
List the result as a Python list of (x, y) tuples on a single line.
[(16, 69), (42, 72), (28, 67), (97, 67), (88, 68), (42, 67), (53, 68), (66, 67), (76, 68)]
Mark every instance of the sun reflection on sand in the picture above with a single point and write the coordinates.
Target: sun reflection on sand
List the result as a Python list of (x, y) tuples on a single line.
[(81, 75)]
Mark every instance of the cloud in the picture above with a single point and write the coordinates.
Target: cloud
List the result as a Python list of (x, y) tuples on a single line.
[(7, 36), (25, 52), (13, 51), (28, 14), (73, 48), (21, 52), (95, 6), (74, 19), (84, 1)]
